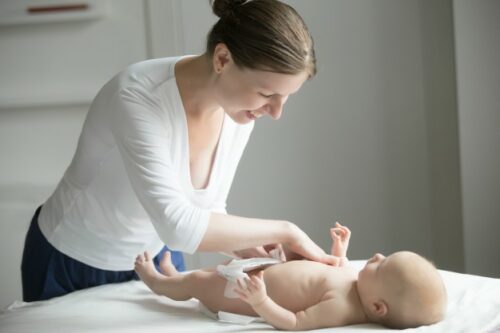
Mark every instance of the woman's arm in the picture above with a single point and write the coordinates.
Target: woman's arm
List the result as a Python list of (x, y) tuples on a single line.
[(230, 233), (142, 140)]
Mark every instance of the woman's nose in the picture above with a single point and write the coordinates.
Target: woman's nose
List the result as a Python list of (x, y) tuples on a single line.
[(276, 107), (276, 112)]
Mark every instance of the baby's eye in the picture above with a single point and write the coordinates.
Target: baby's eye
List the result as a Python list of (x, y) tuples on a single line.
[(265, 96)]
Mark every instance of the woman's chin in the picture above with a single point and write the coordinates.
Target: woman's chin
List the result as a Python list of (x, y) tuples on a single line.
[(241, 118)]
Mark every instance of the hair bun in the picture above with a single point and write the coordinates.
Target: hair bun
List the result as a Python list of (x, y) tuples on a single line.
[(222, 8)]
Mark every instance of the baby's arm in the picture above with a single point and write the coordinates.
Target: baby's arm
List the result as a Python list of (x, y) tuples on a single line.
[(253, 291), (340, 237)]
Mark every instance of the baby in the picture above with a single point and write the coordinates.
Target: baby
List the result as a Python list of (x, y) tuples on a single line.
[(402, 290)]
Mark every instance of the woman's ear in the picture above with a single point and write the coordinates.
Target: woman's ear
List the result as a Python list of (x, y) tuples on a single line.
[(221, 57), (379, 308)]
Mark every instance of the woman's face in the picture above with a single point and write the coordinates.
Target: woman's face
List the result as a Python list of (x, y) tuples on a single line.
[(246, 95)]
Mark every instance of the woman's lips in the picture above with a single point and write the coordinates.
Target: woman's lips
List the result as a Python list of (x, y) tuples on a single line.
[(250, 115)]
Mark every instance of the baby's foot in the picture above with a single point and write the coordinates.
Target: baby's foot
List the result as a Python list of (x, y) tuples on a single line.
[(145, 268), (166, 265)]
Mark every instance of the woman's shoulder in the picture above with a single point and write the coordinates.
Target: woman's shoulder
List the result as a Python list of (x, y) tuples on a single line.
[(147, 74)]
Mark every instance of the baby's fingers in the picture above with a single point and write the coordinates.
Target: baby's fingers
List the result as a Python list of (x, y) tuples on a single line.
[(334, 232), (343, 227), (250, 285), (241, 294), (256, 282), (242, 284)]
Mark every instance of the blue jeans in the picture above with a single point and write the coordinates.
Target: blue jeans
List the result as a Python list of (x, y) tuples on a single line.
[(47, 273)]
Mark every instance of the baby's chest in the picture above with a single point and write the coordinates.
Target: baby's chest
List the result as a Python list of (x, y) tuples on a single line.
[(295, 290)]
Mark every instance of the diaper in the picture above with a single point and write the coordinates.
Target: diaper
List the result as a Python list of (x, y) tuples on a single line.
[(236, 269), (229, 317)]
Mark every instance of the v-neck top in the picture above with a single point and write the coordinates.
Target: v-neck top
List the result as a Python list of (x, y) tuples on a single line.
[(218, 150), (128, 188)]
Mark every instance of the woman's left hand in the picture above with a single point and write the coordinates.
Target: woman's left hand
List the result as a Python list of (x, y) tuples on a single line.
[(260, 252)]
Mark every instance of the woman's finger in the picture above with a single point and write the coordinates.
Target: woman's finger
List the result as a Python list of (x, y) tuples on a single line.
[(261, 252), (331, 260), (273, 249)]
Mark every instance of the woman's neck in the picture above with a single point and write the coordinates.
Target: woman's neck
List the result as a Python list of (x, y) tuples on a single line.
[(195, 79)]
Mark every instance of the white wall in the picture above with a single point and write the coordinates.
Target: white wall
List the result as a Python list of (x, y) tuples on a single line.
[(36, 145), (442, 134), (353, 144), (371, 141), (477, 31), (48, 76)]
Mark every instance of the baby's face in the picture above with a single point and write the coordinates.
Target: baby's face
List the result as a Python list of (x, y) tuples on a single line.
[(370, 277), (406, 282)]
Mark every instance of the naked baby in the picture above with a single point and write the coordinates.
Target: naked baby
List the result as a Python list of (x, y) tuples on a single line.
[(402, 290)]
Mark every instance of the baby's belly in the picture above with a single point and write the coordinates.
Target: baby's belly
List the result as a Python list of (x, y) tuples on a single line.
[(296, 285)]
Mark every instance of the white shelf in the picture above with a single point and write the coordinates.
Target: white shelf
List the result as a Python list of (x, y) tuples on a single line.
[(22, 12), (40, 102)]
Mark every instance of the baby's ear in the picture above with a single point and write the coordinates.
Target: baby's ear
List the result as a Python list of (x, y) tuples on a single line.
[(379, 308)]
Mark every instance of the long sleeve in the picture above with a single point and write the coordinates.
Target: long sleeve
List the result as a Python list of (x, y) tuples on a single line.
[(142, 139), (128, 187)]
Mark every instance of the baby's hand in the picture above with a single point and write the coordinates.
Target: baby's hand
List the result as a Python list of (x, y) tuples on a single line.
[(340, 236), (253, 289)]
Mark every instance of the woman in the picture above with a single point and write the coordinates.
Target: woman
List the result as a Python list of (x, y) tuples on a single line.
[(158, 152)]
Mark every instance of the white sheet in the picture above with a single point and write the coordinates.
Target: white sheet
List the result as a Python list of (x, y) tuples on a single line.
[(130, 307)]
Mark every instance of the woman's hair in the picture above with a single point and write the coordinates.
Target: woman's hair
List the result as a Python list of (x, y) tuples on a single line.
[(263, 35)]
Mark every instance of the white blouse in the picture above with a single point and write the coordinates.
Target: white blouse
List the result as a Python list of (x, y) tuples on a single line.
[(128, 187)]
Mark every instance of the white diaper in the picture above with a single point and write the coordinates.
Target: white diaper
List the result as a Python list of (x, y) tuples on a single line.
[(229, 317), (236, 269)]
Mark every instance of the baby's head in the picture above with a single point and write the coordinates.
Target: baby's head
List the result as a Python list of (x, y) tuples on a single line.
[(402, 290)]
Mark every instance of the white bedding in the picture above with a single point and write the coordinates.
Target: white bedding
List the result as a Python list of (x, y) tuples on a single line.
[(474, 306)]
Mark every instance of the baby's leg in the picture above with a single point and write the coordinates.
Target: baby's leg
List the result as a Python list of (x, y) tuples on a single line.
[(208, 287), (205, 285), (171, 284)]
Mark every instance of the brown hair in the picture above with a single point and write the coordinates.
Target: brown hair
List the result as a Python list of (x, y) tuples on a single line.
[(263, 35)]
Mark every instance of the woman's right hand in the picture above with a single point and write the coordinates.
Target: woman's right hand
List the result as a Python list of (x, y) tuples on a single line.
[(300, 245)]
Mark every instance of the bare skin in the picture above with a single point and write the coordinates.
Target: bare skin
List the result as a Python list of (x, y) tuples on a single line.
[(307, 284), (304, 295)]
